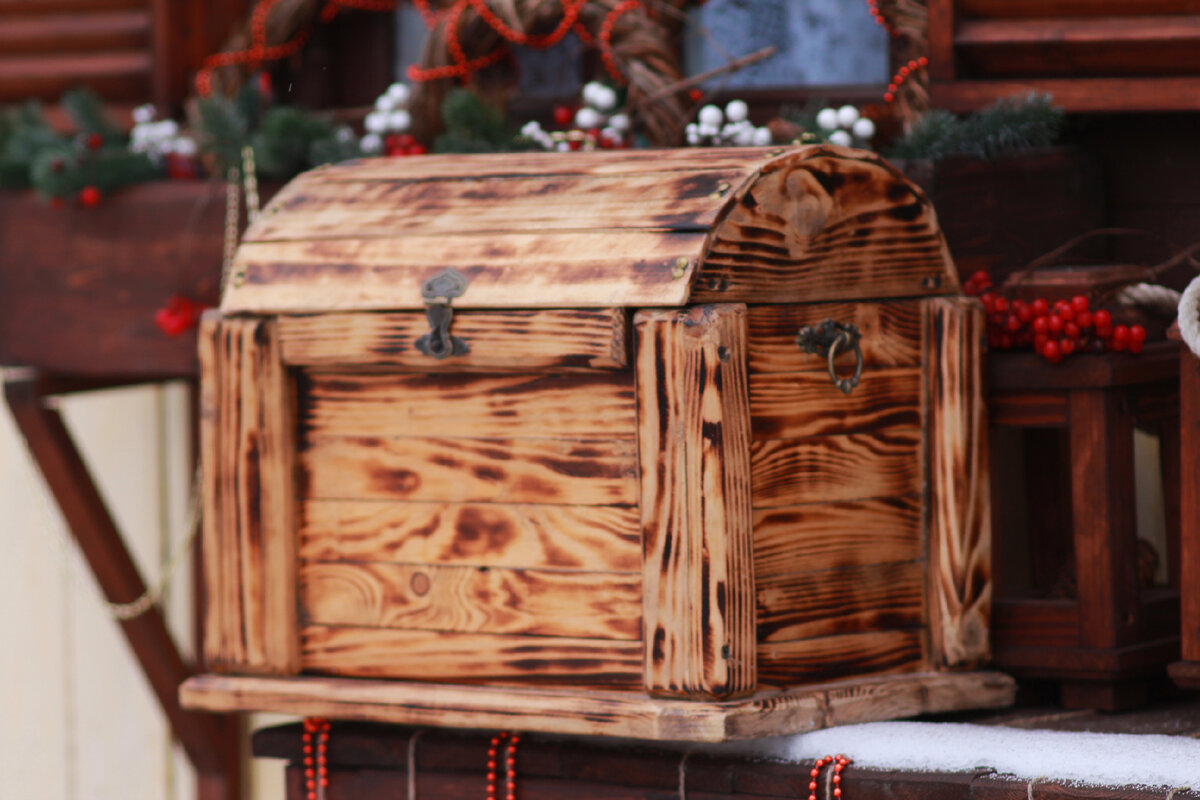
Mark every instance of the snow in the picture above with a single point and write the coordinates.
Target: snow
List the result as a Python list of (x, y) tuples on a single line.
[(1100, 759)]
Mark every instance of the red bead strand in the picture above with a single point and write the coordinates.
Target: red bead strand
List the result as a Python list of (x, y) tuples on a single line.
[(880, 19), (509, 764), (839, 762), (903, 74), (316, 768)]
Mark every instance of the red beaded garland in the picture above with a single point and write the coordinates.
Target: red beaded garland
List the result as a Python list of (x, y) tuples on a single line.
[(318, 778), (510, 763), (904, 73), (839, 762)]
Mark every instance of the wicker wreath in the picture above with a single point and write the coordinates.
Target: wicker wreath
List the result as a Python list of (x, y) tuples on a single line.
[(470, 40)]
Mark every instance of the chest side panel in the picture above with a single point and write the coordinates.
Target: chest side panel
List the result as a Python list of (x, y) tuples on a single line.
[(837, 496), (469, 526)]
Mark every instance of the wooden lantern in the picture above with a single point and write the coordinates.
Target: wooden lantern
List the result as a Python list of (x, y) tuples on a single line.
[(534, 441)]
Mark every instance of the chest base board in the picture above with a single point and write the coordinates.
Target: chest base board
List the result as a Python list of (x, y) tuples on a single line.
[(623, 714)]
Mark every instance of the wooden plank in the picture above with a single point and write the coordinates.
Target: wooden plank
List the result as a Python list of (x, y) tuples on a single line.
[(856, 599), (891, 334), (1189, 501), (595, 162), (563, 405), (471, 657), (1140, 30), (793, 405), (598, 712), (693, 430), (315, 208), (499, 340), (556, 471), (117, 74), (830, 657), (941, 26), (504, 270), (586, 538), (835, 535), (83, 32), (1076, 95), (529, 602), (247, 453), (1071, 8), (840, 467), (960, 545), (826, 223)]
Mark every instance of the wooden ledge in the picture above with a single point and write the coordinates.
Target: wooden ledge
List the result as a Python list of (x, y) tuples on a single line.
[(604, 713)]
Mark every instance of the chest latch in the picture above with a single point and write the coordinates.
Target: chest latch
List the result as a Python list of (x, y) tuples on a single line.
[(438, 292), (828, 339)]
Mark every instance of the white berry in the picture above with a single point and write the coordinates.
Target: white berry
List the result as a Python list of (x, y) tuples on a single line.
[(371, 143), (619, 122), (846, 115), (530, 128), (185, 147), (762, 137), (864, 128), (604, 98), (587, 118), (375, 122), (827, 119), (399, 93), (840, 138), (399, 120), (744, 136), (711, 117), (143, 114), (737, 110), (384, 103), (589, 91)]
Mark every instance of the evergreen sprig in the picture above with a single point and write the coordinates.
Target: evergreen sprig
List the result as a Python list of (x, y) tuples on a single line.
[(1011, 125), (473, 126)]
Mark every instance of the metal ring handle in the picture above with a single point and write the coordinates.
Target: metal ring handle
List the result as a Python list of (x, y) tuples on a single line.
[(845, 384)]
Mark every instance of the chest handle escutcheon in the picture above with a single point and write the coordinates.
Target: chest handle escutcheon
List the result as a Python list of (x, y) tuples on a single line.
[(438, 292), (828, 339)]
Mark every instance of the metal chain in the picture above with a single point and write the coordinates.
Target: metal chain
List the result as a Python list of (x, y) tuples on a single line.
[(151, 597), (250, 178), (233, 202)]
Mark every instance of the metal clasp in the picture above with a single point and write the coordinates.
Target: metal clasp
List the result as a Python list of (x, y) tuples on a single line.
[(438, 292), (827, 339)]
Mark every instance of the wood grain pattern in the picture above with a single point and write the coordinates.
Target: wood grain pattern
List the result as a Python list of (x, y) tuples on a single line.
[(585, 538), (606, 713), (891, 334), (499, 340), (849, 533), (556, 471), (247, 452), (840, 467), (317, 209), (850, 600), (1189, 501), (826, 223), (960, 499), (597, 269), (829, 657), (537, 406), (472, 599), (693, 434), (470, 657), (794, 405)]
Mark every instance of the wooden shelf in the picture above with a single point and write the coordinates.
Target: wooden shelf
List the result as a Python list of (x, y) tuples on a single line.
[(623, 714)]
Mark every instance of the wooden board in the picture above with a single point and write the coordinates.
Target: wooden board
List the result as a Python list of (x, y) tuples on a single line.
[(825, 223), (528, 406), (693, 433), (829, 657), (471, 657), (556, 471), (584, 538), (247, 439), (1189, 502), (834, 535), (859, 599), (840, 467), (960, 560), (597, 269), (605, 713), (891, 334), (796, 405), (499, 340), (534, 602)]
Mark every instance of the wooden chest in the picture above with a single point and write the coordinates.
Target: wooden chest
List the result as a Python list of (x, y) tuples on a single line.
[(534, 441)]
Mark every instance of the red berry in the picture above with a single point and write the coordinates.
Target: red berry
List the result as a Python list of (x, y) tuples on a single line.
[(1025, 314), (89, 196), (1012, 324), (696, 95), (1135, 346), (1080, 303), (1072, 330), (1039, 341), (407, 140), (989, 301), (1055, 324), (971, 289), (563, 116), (1041, 324), (1137, 333), (1105, 332), (1051, 351), (417, 150), (1040, 307), (1067, 346), (1067, 312), (1117, 345), (1006, 341), (94, 141), (1102, 319), (1120, 333), (1084, 319), (998, 318), (982, 276), (1002, 304)]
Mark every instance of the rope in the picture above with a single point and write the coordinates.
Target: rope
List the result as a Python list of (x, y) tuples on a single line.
[(683, 775), (1157, 299), (1189, 316), (412, 764), (1171, 794), (1029, 786)]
